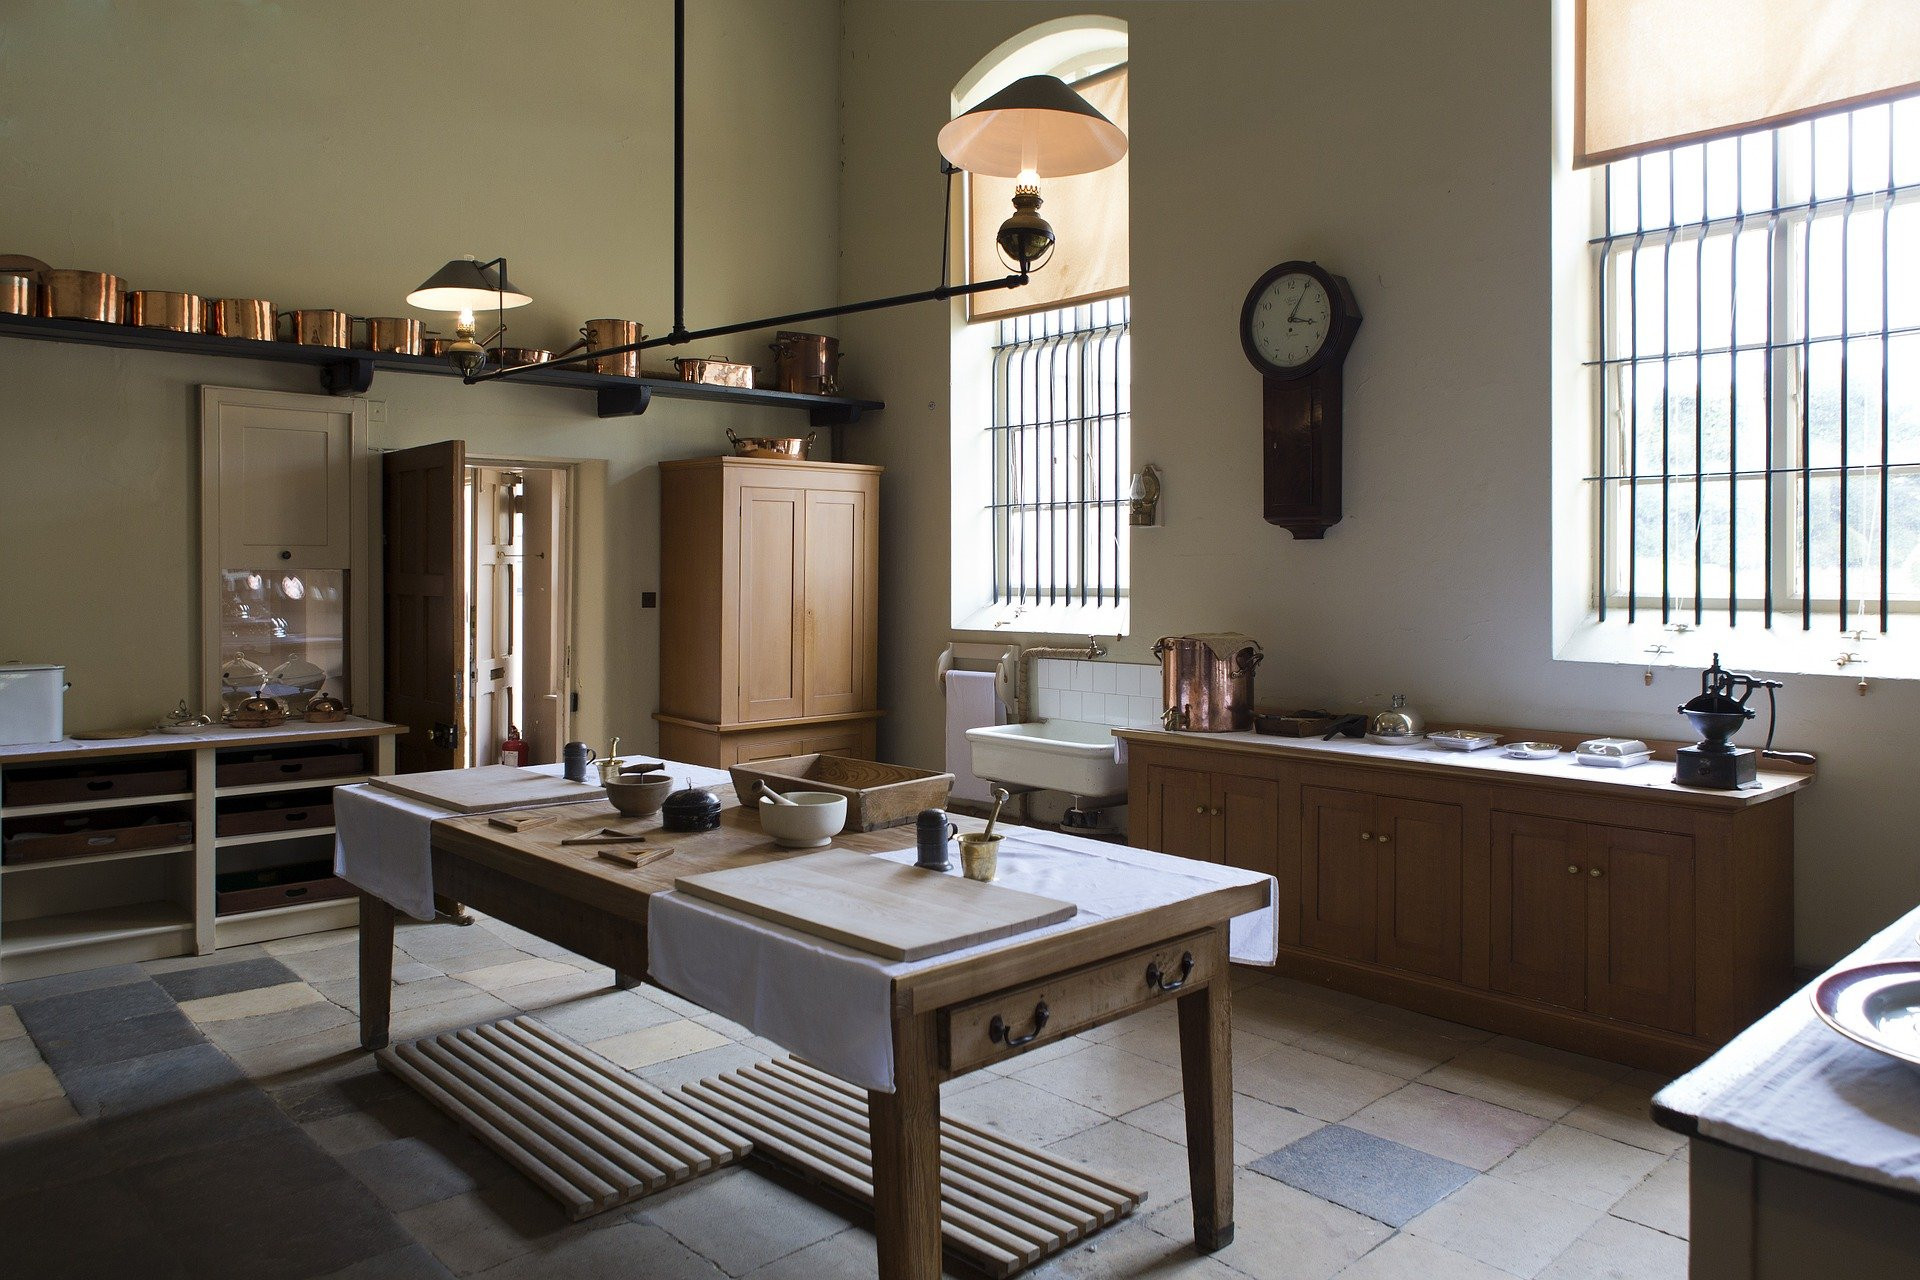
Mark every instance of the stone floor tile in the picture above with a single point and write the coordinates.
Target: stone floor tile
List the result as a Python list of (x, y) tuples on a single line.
[(1449, 1125), (72, 1013), (1579, 1166), (1621, 1112), (307, 1102), (1132, 1157), (1155, 1015), (1661, 1201), (314, 1231), (304, 1019), (134, 1085), (532, 944), (33, 990), (250, 1002), (488, 1226), (85, 1230), (31, 1163), (378, 1122), (1015, 1063), (178, 1128), (1616, 1250), (1258, 1127), (1521, 1083), (407, 1173), (515, 973), (1428, 1023), (1560, 1057), (336, 962), (1105, 1078), (29, 1084), (213, 959), (603, 1016), (446, 1015), (1281, 1231), (284, 947), (202, 981), (11, 1028), (649, 1045), (463, 963), (17, 1054), (1313, 1085), (131, 1038), (669, 1001), (1133, 1249), (440, 943), (36, 1119), (414, 1262), (218, 1177), (1013, 1107), (1505, 1225), (725, 1026), (741, 1219), (1406, 1257), (1281, 1014), (700, 1066), (1378, 1177), (310, 1057), (621, 1251), (851, 1253), (1160, 1040), (552, 991), (1382, 1046)]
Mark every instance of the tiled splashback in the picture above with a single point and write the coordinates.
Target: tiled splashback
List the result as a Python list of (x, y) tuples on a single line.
[(1097, 692)]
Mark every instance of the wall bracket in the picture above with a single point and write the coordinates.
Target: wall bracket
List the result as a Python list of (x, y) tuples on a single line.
[(620, 402)]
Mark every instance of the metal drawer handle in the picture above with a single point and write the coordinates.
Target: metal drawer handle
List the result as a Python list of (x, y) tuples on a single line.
[(1158, 981), (1000, 1033)]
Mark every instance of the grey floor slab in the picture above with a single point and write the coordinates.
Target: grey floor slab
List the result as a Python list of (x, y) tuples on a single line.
[(148, 1082), (1381, 1178), (225, 979), (85, 1230), (35, 989)]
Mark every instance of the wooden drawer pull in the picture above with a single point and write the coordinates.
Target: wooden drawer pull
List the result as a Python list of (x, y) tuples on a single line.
[(1000, 1033), (1158, 981)]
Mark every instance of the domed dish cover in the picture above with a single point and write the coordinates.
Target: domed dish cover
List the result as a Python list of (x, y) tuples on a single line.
[(240, 676), (694, 809), (300, 679), (1401, 721), (324, 708)]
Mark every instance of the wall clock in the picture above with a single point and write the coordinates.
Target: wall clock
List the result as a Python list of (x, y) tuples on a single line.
[(1297, 326)]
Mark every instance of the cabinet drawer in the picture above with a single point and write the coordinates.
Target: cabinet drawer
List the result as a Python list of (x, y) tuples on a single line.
[(250, 768), (81, 835), (245, 817), (980, 1031), (80, 784)]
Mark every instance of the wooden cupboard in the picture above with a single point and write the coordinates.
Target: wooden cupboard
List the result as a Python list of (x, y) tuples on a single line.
[(1618, 916), (769, 609)]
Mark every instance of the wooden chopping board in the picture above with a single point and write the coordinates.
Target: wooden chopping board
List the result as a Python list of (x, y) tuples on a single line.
[(889, 909), (488, 789)]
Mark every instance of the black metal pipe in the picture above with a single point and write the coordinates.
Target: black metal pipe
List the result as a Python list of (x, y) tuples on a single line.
[(679, 170)]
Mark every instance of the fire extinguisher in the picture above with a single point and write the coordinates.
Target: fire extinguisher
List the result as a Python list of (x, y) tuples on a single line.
[(514, 750)]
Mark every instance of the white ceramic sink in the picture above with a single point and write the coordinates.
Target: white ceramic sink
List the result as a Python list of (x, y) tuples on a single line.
[(1056, 755)]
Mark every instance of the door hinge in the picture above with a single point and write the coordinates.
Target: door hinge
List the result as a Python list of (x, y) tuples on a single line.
[(444, 736)]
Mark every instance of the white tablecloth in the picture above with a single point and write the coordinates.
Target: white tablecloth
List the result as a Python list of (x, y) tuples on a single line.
[(832, 1004)]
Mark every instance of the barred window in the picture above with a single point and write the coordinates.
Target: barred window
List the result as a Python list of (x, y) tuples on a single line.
[(1758, 448), (1061, 418)]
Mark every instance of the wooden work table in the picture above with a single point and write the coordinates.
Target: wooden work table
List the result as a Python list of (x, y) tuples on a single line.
[(1088, 974)]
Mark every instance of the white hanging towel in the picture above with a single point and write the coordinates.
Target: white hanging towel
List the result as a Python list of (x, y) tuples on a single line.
[(971, 704)]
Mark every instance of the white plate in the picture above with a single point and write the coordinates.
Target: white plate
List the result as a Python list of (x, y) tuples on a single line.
[(1877, 1005), (1396, 739), (1532, 750)]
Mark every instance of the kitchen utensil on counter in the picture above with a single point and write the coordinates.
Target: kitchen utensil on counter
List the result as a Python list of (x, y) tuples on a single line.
[(808, 363), (506, 357), (81, 295), (932, 832), (693, 809), (608, 835), (239, 676), (182, 720), (1206, 681), (296, 681), (250, 318), (159, 309), (1716, 715), (1532, 750), (16, 293), (395, 335), (639, 795), (768, 793), (600, 334), (980, 855), (30, 702), (319, 328), (1399, 721), (575, 757), (878, 795), (1463, 739), (1612, 753), (810, 819), (324, 708), (633, 859), (1000, 796), (770, 446), (257, 711), (1352, 726), (715, 370), (1293, 724), (1876, 1005)]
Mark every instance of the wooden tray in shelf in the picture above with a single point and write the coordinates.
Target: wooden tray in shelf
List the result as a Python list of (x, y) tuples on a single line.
[(878, 795), (90, 783), (236, 893), (80, 835)]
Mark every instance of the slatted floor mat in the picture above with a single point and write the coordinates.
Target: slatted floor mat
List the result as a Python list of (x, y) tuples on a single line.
[(584, 1131), (1003, 1206)]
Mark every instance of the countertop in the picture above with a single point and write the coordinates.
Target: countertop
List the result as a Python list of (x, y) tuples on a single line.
[(1650, 781), (210, 736)]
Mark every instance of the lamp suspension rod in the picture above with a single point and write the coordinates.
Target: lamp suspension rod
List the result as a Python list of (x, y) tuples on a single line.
[(679, 332)]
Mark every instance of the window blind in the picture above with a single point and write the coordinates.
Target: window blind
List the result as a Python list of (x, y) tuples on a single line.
[(1089, 216), (1651, 74)]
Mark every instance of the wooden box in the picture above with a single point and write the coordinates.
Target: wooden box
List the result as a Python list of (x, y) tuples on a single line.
[(288, 764), (85, 783), (273, 813), (878, 795), (81, 835), (259, 890)]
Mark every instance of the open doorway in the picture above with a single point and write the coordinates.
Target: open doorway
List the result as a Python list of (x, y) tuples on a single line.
[(519, 639)]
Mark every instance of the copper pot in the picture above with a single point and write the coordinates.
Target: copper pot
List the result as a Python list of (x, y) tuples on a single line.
[(1206, 682), (807, 362), (320, 328), (770, 446), (16, 294), (81, 295), (392, 334), (158, 309), (250, 318), (613, 333), (506, 356)]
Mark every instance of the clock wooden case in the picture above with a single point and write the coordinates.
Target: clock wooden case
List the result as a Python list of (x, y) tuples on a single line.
[(1297, 326)]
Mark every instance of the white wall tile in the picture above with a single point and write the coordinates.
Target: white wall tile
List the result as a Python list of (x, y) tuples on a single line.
[(1046, 704), (1147, 681), (1144, 710), (1103, 677), (1049, 673), (1082, 678), (1070, 705)]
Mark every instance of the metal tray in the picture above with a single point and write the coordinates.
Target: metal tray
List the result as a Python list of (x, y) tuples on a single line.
[(1876, 1005)]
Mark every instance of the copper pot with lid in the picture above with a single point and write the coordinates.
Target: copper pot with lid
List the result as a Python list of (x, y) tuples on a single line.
[(395, 335), (600, 334), (250, 318), (807, 362), (160, 309), (16, 293), (319, 328), (1206, 681), (81, 295)]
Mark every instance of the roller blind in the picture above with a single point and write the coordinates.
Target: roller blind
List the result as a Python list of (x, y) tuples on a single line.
[(1089, 216), (1655, 73)]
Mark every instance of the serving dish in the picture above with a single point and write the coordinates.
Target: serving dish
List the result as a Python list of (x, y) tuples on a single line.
[(1532, 750), (1464, 739), (1612, 753), (1397, 739), (1876, 1005)]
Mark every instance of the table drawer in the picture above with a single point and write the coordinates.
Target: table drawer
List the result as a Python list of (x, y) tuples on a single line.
[(1001, 1025)]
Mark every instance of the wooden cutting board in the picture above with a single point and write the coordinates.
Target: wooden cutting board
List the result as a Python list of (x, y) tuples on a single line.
[(888, 909), (488, 789)]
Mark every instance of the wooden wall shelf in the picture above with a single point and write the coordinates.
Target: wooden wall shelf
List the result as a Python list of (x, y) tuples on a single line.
[(350, 372)]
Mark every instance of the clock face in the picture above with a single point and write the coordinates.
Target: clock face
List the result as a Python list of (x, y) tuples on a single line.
[(1291, 320)]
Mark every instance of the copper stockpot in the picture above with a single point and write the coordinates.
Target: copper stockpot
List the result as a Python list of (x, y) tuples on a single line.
[(81, 295), (613, 333), (1206, 681), (322, 328), (159, 309), (250, 318), (807, 362), (392, 334), (16, 293)]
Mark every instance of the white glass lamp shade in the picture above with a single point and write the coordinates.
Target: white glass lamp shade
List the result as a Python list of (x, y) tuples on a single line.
[(466, 284), (1035, 127)]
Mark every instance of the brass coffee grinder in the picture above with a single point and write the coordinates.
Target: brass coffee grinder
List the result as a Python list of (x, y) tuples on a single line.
[(1716, 715)]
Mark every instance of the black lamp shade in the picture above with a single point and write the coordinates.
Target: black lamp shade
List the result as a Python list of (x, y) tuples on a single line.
[(466, 284), (1036, 123)]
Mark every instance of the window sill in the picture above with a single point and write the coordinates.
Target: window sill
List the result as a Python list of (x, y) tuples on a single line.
[(1073, 620), (1784, 648)]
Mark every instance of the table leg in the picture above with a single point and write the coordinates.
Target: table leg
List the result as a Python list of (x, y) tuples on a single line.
[(905, 1137), (376, 970), (625, 981), (1206, 1069)]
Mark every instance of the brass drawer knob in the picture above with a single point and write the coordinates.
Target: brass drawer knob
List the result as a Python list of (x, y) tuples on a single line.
[(1000, 1033), (1158, 980), (1199, 808), (1596, 872), (1366, 835), (1573, 871), (1386, 839)]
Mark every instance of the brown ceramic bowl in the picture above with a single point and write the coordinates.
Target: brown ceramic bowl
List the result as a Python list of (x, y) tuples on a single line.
[(640, 795)]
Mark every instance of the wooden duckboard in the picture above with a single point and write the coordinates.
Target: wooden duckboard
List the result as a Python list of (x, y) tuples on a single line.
[(1003, 1206), (584, 1131), (487, 789), (889, 909)]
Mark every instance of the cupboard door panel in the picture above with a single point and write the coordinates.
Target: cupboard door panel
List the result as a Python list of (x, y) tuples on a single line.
[(833, 593), (283, 480), (770, 609), (1539, 910), (1249, 822), (1178, 817), (1339, 886), (1642, 912), (1418, 847)]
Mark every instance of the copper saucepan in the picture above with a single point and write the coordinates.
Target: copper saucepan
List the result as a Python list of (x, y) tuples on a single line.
[(613, 333), (81, 295), (160, 309), (249, 318), (393, 334), (508, 356), (16, 293), (319, 328), (791, 447)]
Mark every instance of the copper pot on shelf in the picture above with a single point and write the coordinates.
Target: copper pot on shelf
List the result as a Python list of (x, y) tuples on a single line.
[(16, 293), (507, 357), (613, 333), (790, 447), (249, 318), (319, 328), (160, 309), (81, 295), (808, 363), (394, 335)]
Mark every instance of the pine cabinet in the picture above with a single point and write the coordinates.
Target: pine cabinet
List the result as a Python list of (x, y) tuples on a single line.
[(769, 594), (1381, 879), (1228, 818)]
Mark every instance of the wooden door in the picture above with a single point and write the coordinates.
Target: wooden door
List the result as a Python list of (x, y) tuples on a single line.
[(284, 465), (1417, 844), (1641, 912), (1538, 909), (426, 596), (1179, 813), (772, 530), (494, 619), (1339, 886), (1246, 815), (837, 637), (547, 570)]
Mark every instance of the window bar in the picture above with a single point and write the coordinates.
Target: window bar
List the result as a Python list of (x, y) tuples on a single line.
[(1846, 350), (1089, 453), (1733, 379), (1886, 362), (1030, 582), (1806, 382), (1056, 525), (1633, 404), (1002, 487), (1601, 376), (1121, 345), (1766, 435), (1699, 374), (1666, 405)]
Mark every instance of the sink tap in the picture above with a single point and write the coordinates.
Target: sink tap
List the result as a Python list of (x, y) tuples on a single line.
[(1175, 717)]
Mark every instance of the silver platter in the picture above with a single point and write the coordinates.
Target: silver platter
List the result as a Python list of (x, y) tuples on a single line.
[(1876, 1005)]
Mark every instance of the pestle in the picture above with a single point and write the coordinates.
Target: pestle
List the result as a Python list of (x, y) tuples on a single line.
[(770, 794)]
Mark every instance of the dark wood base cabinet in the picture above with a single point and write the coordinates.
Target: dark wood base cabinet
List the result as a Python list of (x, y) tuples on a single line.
[(1637, 924)]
